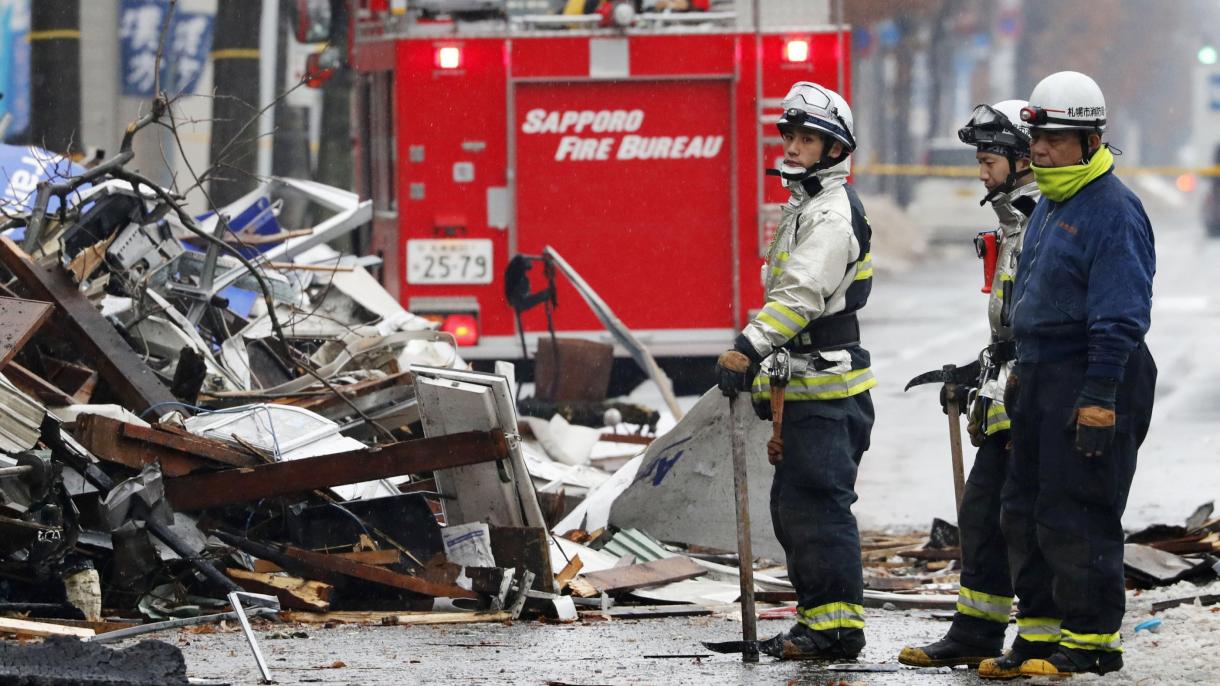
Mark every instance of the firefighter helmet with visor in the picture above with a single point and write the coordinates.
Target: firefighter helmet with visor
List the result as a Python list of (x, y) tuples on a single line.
[(810, 106), (998, 129)]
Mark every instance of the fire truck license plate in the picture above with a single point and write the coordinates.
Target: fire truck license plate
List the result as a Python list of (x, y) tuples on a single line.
[(453, 260)]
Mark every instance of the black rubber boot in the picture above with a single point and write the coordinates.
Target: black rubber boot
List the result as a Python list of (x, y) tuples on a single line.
[(802, 643), (946, 652), (1066, 661)]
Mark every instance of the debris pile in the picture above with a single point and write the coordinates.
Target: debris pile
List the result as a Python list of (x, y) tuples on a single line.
[(221, 417)]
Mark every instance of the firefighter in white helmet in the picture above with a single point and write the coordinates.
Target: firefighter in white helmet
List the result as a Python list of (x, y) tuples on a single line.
[(1001, 142), (818, 274), (1080, 395)]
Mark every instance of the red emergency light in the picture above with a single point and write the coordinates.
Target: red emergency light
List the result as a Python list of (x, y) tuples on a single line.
[(449, 57), (464, 327), (796, 50)]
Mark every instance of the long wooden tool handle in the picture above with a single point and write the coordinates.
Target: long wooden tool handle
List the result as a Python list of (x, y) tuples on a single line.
[(955, 445), (745, 553)]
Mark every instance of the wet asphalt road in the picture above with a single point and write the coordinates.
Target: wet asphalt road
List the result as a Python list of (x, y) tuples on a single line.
[(615, 652)]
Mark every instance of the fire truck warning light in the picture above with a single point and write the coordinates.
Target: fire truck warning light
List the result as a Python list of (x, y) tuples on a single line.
[(449, 57), (796, 50)]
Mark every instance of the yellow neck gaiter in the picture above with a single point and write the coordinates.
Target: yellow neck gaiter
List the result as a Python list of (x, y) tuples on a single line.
[(1061, 183)]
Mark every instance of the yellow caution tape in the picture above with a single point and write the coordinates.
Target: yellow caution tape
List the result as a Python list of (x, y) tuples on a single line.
[(236, 54)]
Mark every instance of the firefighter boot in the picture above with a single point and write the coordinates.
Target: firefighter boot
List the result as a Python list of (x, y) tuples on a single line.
[(1066, 662), (1008, 665), (803, 643), (946, 652)]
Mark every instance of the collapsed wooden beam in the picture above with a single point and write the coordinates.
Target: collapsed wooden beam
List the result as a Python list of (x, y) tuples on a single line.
[(248, 484), (136, 446)]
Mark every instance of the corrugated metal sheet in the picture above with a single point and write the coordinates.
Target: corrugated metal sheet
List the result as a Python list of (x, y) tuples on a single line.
[(20, 419), (645, 548)]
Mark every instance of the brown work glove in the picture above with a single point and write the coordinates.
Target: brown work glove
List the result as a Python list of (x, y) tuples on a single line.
[(735, 372), (775, 450), (1095, 416), (976, 423)]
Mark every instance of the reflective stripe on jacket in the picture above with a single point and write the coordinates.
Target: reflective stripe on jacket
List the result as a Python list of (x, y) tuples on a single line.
[(817, 265)]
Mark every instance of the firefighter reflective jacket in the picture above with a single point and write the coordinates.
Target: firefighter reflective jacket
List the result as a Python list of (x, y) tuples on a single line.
[(1013, 210), (818, 265)]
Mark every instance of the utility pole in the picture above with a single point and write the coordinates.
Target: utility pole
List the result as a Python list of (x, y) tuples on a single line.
[(235, 59), (335, 149), (55, 103)]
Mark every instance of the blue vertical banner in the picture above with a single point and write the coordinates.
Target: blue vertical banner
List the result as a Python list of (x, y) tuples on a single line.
[(15, 64), (183, 59)]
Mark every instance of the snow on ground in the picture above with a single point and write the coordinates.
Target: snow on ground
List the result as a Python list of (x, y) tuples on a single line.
[(1183, 650)]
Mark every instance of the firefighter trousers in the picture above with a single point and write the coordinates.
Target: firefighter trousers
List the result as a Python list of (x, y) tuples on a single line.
[(1062, 512), (985, 599), (811, 498)]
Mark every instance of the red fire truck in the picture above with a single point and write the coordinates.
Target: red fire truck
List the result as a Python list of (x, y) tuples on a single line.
[(636, 152)]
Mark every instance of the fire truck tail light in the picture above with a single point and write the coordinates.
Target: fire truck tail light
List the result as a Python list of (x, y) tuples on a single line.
[(449, 57), (464, 327), (796, 50)]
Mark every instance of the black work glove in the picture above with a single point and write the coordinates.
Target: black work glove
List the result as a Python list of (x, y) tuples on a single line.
[(1095, 416), (737, 368), (961, 395)]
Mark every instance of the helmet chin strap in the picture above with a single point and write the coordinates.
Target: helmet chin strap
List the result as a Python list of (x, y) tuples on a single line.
[(1010, 183)]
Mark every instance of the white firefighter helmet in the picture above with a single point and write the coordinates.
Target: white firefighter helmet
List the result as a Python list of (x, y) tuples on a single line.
[(998, 129), (1066, 100), (810, 106)]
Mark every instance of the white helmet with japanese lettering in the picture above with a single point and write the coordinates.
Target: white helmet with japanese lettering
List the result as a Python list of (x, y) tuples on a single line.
[(816, 108), (1066, 100)]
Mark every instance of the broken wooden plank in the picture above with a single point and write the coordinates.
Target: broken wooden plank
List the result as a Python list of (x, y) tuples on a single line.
[(35, 386), (76, 380), (569, 571), (659, 611), (24, 627), (932, 554), (582, 589), (1198, 543), (125, 373), (247, 484), (372, 557), (19, 321), (293, 592), (663, 571), (392, 618), (1202, 600), (892, 583), (136, 446), (375, 574)]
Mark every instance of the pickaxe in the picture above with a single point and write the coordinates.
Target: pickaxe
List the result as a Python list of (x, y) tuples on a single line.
[(954, 379)]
